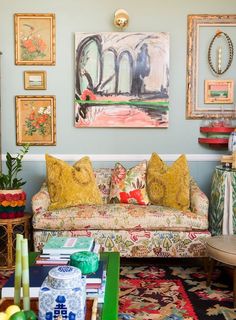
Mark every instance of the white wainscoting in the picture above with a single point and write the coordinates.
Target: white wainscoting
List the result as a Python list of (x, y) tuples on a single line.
[(121, 157)]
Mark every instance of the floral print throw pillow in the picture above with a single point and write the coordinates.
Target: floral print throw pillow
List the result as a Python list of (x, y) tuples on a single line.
[(129, 185)]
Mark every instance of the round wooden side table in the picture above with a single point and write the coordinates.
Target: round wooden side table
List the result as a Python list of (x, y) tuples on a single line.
[(222, 249), (8, 230)]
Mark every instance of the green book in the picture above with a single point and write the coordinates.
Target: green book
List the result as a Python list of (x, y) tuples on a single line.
[(66, 245)]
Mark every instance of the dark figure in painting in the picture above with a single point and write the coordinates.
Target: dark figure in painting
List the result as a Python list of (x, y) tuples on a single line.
[(142, 70), (83, 110)]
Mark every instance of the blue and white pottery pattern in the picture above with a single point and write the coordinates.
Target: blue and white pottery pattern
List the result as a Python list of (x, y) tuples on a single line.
[(63, 296), (64, 277)]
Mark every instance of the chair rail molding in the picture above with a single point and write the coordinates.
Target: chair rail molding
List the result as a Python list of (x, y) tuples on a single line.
[(120, 157)]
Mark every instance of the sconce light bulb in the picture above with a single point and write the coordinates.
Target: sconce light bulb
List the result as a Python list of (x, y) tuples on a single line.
[(121, 19)]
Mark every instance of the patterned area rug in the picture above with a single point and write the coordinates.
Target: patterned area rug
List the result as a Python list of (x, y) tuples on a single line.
[(174, 293), (170, 293)]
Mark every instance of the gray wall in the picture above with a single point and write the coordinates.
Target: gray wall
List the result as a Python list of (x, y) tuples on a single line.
[(94, 16)]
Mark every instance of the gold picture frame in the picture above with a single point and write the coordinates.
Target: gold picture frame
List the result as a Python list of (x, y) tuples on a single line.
[(219, 91), (202, 28), (36, 120), (35, 80), (35, 37)]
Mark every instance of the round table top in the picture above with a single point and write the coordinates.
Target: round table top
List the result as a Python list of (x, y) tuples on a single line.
[(223, 243)]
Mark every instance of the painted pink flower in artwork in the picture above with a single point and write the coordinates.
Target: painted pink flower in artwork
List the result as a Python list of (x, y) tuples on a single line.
[(38, 122), (42, 45), (28, 43), (32, 45), (88, 95)]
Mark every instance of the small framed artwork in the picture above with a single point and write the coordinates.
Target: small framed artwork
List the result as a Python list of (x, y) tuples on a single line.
[(36, 120), (35, 39), (219, 91), (35, 80)]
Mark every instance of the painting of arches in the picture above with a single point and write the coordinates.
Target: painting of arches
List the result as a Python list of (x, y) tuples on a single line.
[(122, 79)]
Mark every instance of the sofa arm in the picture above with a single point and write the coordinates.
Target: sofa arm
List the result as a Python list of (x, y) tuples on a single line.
[(41, 200), (199, 202)]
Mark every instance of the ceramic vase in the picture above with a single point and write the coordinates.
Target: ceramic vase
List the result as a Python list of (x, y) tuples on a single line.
[(12, 203)]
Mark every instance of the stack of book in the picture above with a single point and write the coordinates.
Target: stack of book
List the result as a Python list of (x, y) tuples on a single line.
[(95, 282), (97, 291), (57, 250)]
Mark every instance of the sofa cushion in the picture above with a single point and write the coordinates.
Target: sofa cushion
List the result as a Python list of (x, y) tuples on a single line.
[(77, 184), (129, 185), (169, 186), (137, 242), (119, 216)]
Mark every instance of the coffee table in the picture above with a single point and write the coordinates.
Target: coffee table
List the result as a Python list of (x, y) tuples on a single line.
[(109, 309), (222, 249)]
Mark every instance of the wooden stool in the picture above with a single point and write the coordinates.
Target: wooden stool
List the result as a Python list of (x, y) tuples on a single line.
[(8, 230), (223, 249)]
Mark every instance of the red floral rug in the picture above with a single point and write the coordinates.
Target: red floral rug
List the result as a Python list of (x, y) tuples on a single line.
[(174, 293), (171, 293)]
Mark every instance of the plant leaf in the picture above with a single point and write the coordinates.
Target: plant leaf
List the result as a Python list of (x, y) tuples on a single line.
[(14, 166)]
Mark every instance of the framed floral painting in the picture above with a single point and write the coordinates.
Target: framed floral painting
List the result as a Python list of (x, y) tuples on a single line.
[(36, 120), (34, 39)]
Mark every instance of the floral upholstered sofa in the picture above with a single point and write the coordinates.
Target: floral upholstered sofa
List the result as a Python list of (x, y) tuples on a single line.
[(133, 230)]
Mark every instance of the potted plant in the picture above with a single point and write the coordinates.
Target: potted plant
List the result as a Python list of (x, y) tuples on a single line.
[(12, 197)]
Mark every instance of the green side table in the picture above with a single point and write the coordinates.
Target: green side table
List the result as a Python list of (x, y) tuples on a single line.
[(108, 310)]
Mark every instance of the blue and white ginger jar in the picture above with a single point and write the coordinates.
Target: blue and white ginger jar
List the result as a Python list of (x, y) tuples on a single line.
[(63, 295)]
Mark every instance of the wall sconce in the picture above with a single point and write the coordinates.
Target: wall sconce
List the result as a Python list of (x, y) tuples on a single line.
[(121, 19)]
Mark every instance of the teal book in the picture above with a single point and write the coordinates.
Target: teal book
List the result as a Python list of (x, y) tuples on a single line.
[(66, 245)]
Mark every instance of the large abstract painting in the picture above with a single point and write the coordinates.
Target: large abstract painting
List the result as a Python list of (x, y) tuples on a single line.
[(122, 79)]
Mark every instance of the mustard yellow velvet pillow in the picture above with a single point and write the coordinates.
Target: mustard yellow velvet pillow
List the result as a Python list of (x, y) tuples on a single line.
[(70, 186), (169, 186)]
